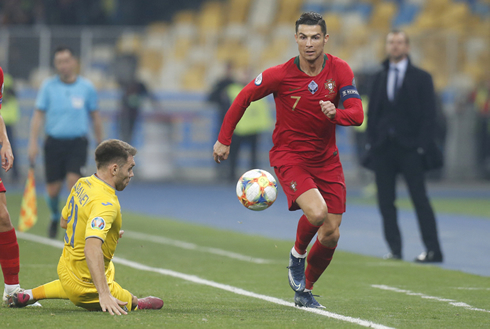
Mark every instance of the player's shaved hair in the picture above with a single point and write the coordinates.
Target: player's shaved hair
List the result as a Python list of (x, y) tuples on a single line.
[(312, 18), (113, 151)]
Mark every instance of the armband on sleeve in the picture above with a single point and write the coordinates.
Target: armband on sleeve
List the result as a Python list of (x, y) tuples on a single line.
[(348, 92)]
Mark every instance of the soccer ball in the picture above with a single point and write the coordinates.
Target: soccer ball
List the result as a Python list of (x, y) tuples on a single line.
[(256, 189)]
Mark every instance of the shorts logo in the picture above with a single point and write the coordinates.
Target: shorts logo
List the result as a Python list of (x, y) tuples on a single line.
[(330, 85), (98, 223), (258, 80), (293, 185)]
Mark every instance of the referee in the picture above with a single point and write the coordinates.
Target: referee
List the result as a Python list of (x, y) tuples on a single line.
[(65, 103)]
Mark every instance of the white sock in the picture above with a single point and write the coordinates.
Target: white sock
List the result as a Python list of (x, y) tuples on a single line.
[(296, 254), (10, 288), (29, 292)]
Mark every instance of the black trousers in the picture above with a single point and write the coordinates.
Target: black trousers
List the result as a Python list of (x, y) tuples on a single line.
[(390, 161)]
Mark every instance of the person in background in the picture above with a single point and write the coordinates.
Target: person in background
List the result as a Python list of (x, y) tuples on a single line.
[(401, 140), (480, 98), (66, 103), (133, 94)]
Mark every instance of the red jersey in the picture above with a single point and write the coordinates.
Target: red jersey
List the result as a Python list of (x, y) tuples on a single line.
[(1, 84), (303, 133)]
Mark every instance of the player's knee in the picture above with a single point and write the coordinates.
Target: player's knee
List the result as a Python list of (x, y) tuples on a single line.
[(329, 236), (317, 217)]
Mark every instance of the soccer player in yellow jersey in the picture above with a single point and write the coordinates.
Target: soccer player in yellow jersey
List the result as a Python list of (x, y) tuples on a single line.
[(92, 219)]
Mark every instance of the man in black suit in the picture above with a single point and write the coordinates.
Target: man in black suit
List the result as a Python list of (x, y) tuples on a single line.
[(400, 134)]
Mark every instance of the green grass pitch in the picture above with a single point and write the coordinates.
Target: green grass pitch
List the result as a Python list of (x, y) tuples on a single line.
[(414, 296)]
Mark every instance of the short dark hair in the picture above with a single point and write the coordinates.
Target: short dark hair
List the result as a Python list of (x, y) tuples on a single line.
[(312, 18), (60, 49), (113, 151), (397, 31)]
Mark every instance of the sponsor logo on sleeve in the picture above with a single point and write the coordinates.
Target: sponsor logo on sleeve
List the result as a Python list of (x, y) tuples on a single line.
[(98, 223), (258, 80)]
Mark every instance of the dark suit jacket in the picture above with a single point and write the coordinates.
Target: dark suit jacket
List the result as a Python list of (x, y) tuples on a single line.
[(409, 119)]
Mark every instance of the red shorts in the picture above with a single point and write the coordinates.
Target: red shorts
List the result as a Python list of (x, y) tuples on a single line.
[(2, 187), (295, 180)]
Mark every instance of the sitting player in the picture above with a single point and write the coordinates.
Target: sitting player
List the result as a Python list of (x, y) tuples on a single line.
[(85, 269)]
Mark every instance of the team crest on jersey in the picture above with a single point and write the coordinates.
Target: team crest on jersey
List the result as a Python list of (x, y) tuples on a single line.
[(313, 87), (330, 85), (98, 223), (258, 80)]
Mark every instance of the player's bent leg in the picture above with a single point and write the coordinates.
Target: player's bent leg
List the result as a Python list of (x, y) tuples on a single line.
[(9, 252), (51, 290), (313, 206), (321, 253), (315, 212)]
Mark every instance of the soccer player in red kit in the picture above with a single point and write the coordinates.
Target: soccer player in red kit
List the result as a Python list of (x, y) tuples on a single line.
[(9, 248), (307, 90)]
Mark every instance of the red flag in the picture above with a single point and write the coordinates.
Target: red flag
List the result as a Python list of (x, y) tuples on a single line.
[(28, 208)]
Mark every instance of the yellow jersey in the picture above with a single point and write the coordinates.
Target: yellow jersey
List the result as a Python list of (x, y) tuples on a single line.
[(92, 210)]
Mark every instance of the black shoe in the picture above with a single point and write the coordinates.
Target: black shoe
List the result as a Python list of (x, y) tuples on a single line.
[(392, 256), (53, 229), (429, 257)]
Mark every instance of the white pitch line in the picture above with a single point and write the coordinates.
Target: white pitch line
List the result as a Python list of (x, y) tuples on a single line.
[(411, 293), (198, 280), (472, 288), (192, 246)]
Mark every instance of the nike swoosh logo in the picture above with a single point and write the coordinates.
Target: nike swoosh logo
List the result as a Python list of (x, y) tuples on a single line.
[(293, 89), (107, 204)]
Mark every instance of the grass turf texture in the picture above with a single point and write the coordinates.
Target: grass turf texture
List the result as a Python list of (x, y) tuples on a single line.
[(462, 206), (345, 286)]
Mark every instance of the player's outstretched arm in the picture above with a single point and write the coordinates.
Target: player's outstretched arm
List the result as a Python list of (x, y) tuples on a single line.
[(95, 262), (220, 152)]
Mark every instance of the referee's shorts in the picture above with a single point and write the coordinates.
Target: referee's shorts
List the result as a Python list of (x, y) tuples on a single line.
[(62, 156)]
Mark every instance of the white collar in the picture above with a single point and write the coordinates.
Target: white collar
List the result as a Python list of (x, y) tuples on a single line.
[(401, 65)]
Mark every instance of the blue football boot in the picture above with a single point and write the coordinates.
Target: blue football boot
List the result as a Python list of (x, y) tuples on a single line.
[(306, 299), (296, 273)]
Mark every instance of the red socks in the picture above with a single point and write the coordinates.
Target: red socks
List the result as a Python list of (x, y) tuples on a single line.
[(9, 256), (305, 232), (318, 260)]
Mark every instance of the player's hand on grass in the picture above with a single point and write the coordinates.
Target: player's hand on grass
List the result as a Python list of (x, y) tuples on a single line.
[(220, 152), (7, 156), (328, 108), (111, 304)]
